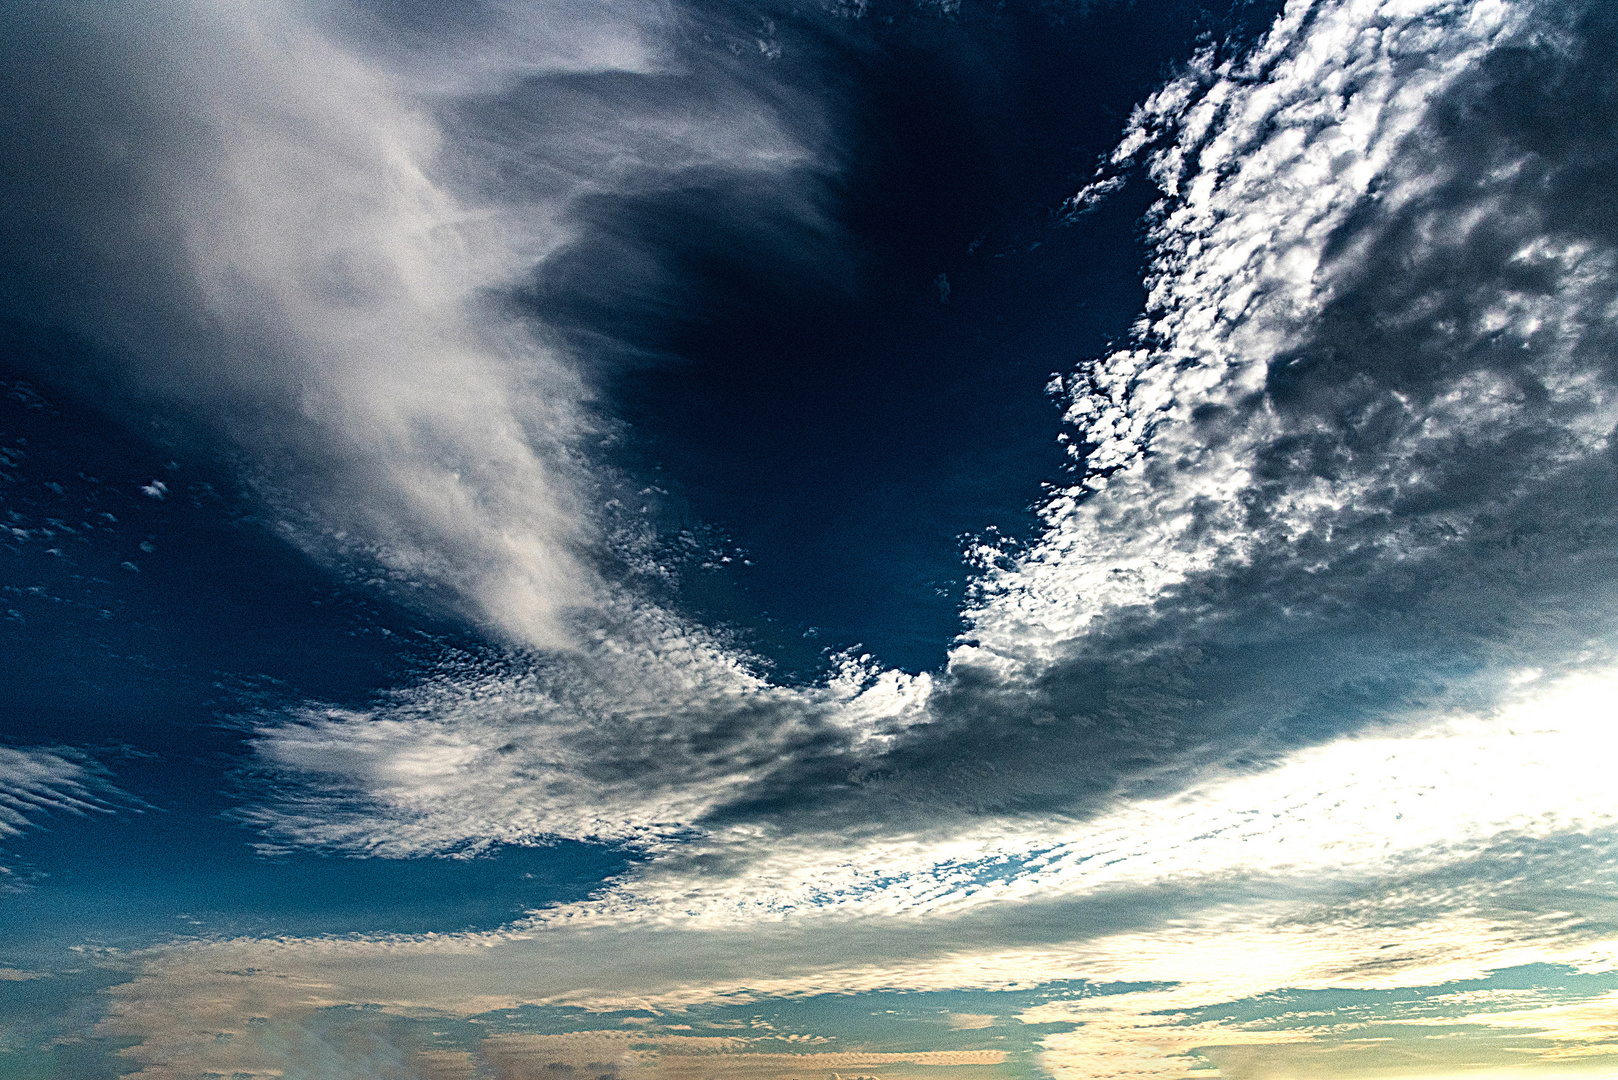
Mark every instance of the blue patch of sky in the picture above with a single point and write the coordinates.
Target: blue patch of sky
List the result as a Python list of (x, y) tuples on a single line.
[(958, 878), (850, 427), (126, 879)]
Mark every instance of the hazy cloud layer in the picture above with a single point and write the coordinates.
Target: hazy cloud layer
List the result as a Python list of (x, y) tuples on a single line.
[(1151, 975)]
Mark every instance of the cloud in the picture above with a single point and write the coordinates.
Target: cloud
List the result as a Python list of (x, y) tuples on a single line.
[(1435, 796), (306, 228), (38, 781), (1355, 469), (1164, 1032), (631, 1054), (1302, 686), (1146, 993), (637, 736), (1353, 465)]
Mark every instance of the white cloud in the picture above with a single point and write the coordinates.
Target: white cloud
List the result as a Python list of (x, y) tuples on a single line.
[(1420, 802), (1150, 1033), (303, 232), (38, 781), (641, 734), (1262, 160), (1314, 660)]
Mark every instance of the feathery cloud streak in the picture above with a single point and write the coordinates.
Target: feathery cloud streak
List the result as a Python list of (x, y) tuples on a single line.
[(310, 242), (37, 781)]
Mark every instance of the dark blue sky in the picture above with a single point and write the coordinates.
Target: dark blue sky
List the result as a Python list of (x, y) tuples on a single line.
[(823, 403)]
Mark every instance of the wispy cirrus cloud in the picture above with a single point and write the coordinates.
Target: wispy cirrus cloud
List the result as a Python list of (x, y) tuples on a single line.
[(38, 781), (308, 228)]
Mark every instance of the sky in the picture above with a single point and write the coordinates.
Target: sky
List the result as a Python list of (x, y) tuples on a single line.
[(837, 540)]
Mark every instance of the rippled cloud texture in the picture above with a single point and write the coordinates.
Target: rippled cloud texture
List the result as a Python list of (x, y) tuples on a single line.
[(1279, 750)]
